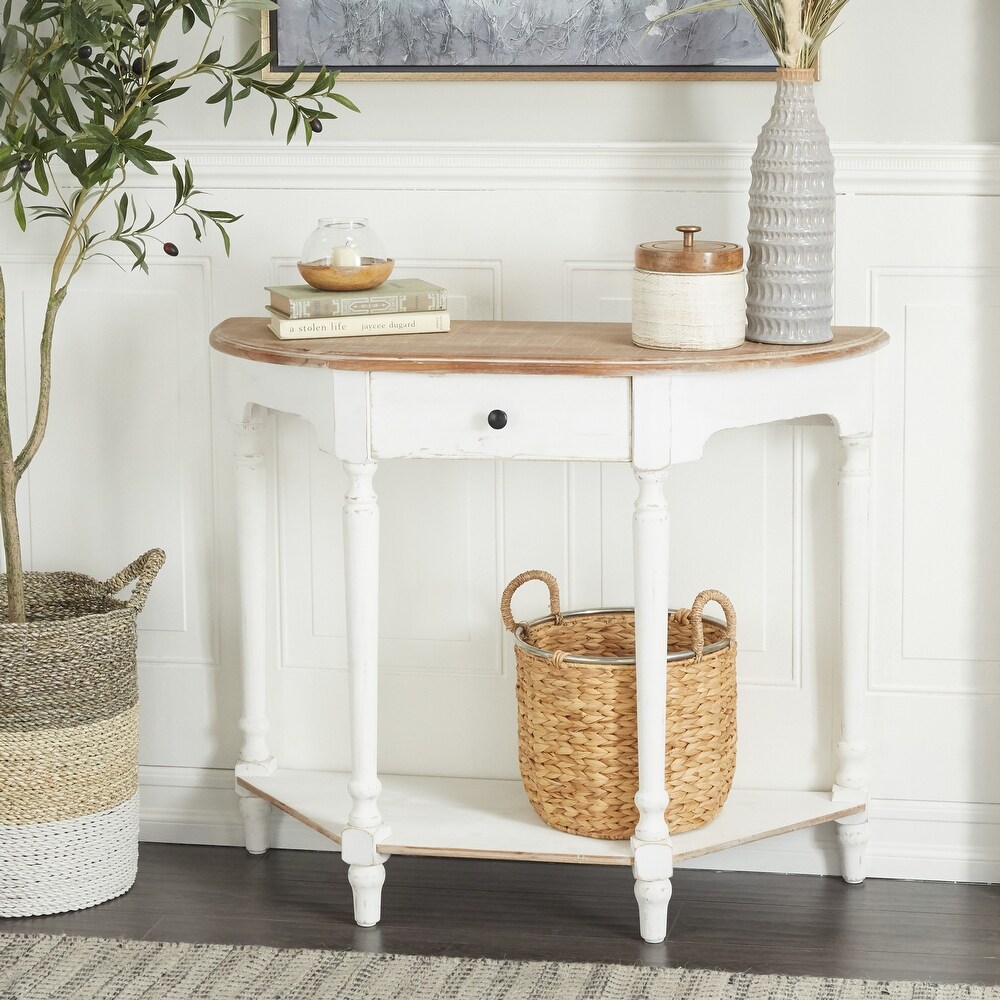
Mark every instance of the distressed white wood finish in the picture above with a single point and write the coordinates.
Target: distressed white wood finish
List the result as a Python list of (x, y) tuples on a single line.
[(433, 416), (251, 527), (492, 818), (854, 487), (256, 813), (651, 850), (365, 826), (674, 411)]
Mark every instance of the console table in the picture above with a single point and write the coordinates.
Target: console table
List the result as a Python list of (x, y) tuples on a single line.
[(516, 391)]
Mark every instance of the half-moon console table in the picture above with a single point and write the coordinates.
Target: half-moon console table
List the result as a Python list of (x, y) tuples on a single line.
[(555, 391)]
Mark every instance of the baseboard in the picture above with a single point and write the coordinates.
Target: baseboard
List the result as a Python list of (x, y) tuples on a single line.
[(923, 841), (932, 841), (936, 841), (184, 805)]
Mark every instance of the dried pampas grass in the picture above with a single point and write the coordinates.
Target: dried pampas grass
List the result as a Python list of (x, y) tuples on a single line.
[(794, 29)]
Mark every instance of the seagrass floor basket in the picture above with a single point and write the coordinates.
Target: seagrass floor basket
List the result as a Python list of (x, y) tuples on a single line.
[(576, 705), (69, 814)]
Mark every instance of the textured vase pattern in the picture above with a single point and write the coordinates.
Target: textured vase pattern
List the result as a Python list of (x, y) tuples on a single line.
[(791, 230)]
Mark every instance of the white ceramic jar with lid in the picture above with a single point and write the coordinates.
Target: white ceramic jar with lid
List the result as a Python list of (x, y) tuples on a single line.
[(688, 294)]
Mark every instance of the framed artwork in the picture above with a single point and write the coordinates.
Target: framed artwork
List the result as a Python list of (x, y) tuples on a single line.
[(512, 40)]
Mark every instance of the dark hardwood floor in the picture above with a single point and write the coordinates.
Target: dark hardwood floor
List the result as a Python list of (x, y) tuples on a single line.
[(793, 924)]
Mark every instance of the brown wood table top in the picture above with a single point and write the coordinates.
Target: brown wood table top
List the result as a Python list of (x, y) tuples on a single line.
[(523, 348)]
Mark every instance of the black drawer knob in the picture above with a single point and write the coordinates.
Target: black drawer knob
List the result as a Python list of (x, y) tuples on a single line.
[(497, 420)]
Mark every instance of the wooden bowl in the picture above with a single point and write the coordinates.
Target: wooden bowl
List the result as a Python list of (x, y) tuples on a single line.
[(330, 278)]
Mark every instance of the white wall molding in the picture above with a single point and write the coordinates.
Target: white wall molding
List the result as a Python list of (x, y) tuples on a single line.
[(862, 168), (918, 169)]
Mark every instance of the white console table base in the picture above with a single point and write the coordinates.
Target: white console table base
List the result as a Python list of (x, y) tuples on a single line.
[(576, 392)]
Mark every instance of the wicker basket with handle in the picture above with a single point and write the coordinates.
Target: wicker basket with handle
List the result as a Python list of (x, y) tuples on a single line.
[(576, 705), (69, 741)]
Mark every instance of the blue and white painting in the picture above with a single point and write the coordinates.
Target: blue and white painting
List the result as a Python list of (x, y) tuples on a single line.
[(478, 35)]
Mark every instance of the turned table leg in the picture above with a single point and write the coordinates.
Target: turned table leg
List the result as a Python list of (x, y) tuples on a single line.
[(251, 535), (652, 863), (365, 827), (851, 783)]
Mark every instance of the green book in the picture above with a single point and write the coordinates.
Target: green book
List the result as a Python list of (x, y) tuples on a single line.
[(392, 296)]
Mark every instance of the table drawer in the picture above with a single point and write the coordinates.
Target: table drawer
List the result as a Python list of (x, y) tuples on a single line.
[(500, 416)]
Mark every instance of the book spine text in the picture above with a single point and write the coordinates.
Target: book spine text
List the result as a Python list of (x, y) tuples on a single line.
[(361, 326)]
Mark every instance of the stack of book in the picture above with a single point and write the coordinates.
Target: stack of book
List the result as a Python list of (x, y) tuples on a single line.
[(403, 305)]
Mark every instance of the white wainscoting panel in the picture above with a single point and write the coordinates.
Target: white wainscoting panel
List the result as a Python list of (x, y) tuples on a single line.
[(756, 517), (127, 465), (944, 537), (132, 458), (935, 697), (958, 445), (940, 463), (546, 231)]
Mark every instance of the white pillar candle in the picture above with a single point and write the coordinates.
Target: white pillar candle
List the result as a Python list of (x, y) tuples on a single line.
[(346, 257)]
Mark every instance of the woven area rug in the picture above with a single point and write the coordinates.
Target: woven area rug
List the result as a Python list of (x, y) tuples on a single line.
[(33, 967)]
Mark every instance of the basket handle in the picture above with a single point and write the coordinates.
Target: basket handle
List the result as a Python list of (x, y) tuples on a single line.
[(696, 610), (508, 592), (143, 570)]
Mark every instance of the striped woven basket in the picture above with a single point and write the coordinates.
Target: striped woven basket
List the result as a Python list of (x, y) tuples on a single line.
[(576, 714), (69, 816)]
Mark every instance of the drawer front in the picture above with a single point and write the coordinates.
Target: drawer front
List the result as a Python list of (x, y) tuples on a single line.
[(500, 416)]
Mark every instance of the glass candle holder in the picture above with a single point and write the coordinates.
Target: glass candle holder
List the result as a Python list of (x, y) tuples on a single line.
[(344, 254)]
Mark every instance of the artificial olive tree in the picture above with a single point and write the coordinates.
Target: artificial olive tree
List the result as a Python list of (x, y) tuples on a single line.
[(81, 88)]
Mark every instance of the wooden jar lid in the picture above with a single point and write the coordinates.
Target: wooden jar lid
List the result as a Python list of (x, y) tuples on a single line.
[(687, 256)]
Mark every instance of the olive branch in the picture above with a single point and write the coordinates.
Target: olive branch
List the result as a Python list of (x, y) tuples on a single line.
[(81, 87)]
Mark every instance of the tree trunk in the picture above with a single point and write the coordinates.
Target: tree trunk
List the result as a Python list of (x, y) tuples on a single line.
[(8, 485), (13, 468)]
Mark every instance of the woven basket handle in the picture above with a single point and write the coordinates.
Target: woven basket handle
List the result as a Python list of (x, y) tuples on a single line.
[(532, 574), (143, 570), (696, 611)]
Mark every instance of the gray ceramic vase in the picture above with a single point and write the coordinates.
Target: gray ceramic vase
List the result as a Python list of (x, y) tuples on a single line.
[(791, 230)]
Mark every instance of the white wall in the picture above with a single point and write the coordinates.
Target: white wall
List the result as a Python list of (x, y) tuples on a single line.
[(526, 201), (894, 71)]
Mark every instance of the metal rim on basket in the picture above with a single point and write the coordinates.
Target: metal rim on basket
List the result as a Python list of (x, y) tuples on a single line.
[(682, 654)]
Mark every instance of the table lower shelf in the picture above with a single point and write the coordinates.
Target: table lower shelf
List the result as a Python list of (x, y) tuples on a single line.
[(479, 818)]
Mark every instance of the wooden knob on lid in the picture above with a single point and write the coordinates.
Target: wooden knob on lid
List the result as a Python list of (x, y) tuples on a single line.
[(689, 256)]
